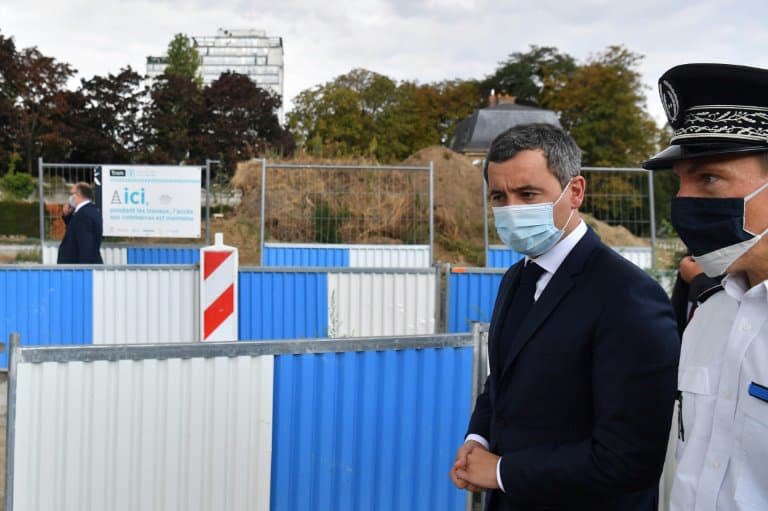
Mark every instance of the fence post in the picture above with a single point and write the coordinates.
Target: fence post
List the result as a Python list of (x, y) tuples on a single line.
[(476, 348), (431, 212), (207, 201), (438, 296), (447, 297), (476, 372), (41, 207), (10, 423), (263, 206), (652, 205), (485, 217), (479, 373)]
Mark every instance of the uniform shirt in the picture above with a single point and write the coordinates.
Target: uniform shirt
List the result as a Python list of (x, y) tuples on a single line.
[(722, 446), (550, 261)]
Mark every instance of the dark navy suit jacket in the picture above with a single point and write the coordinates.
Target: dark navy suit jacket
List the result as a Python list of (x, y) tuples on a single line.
[(581, 406), (82, 240)]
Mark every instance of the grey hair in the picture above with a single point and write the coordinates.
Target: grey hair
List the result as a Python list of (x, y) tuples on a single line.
[(562, 154)]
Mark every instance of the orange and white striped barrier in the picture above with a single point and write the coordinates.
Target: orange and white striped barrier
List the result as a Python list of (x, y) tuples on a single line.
[(218, 291)]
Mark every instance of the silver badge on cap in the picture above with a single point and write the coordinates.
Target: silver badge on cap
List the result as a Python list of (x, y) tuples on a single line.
[(669, 101)]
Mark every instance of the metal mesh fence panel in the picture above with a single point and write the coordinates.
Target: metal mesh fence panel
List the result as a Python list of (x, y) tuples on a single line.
[(619, 197), (55, 180), (346, 204)]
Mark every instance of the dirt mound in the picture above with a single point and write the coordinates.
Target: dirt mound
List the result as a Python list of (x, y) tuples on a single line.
[(613, 235), (458, 204)]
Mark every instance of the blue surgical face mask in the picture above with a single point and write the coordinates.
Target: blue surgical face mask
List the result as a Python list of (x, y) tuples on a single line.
[(713, 229), (529, 229)]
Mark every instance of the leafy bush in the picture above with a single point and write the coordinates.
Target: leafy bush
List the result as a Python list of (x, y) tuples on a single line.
[(19, 186), (19, 218), (327, 222)]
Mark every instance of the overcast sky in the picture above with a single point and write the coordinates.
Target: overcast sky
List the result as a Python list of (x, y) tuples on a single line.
[(424, 40)]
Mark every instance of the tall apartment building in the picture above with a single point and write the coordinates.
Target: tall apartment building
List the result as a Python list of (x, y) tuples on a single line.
[(246, 51)]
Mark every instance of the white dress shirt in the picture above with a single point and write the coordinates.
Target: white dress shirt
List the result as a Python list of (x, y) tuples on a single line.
[(549, 261), (79, 206), (722, 450)]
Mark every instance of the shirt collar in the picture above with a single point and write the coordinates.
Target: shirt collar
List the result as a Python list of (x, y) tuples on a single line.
[(81, 205), (554, 257), (737, 287)]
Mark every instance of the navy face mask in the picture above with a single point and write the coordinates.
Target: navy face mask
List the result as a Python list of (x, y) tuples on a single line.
[(713, 229), (706, 225)]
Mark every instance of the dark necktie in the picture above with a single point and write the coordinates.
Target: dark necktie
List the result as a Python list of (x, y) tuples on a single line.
[(522, 302)]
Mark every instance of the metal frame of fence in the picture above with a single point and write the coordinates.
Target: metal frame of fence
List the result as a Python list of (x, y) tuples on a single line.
[(266, 166), (621, 170), (86, 172), (39, 355)]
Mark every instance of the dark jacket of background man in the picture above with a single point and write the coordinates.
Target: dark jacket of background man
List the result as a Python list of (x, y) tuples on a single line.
[(82, 241)]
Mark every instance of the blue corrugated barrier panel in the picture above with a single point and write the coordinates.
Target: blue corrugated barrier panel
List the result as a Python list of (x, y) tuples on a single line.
[(283, 305), (471, 297), (369, 430), (502, 257), (46, 307), (163, 255), (306, 257)]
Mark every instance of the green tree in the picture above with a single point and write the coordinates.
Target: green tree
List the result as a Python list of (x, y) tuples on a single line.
[(425, 115), (363, 113), (526, 75), (665, 185), (172, 119), (602, 105), (31, 88), (184, 59), (339, 117), (9, 72), (101, 121), (239, 122)]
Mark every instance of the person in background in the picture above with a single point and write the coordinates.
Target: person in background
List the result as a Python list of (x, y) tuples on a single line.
[(583, 350), (692, 288), (82, 239), (719, 150)]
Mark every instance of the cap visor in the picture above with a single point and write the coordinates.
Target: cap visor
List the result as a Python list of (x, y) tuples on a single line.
[(666, 158)]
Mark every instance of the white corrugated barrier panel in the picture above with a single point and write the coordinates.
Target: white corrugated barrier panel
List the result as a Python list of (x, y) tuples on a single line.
[(381, 303), (389, 256), (114, 256), (145, 305), (110, 254), (50, 252), (640, 256), (191, 434)]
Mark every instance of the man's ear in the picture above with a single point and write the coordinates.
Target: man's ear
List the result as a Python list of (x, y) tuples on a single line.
[(578, 187)]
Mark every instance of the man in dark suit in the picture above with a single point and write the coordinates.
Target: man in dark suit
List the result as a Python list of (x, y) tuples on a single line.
[(82, 241), (583, 350)]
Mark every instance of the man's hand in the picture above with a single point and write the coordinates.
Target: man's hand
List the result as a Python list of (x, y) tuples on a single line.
[(689, 269), (67, 210), (461, 463), (479, 470)]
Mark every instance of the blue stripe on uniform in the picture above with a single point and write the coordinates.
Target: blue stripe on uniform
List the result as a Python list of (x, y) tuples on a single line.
[(758, 391)]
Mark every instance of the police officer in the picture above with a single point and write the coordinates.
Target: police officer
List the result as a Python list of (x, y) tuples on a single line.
[(719, 150)]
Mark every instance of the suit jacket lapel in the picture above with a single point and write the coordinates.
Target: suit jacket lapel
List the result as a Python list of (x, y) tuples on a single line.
[(503, 302), (557, 288)]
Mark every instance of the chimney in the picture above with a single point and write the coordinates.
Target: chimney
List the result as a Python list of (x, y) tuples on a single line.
[(505, 98), (492, 98)]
